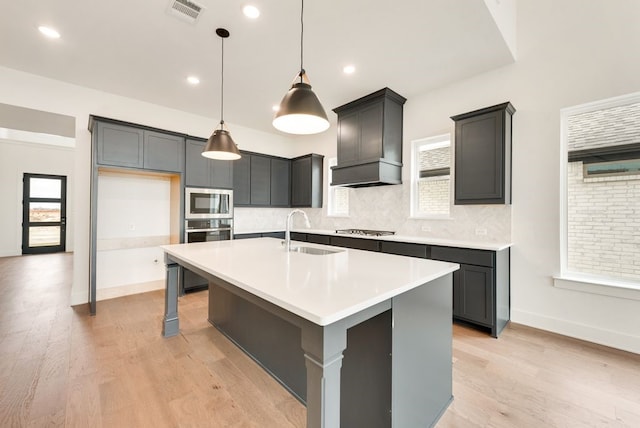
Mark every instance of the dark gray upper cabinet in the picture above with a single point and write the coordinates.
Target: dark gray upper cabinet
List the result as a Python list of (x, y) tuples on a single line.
[(204, 172), (119, 145), (133, 147), (370, 140), (269, 181), (280, 182), (163, 152), (241, 180), (197, 166), (483, 156), (260, 180), (307, 181)]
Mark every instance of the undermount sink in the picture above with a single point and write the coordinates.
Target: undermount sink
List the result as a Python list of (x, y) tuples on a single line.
[(315, 251)]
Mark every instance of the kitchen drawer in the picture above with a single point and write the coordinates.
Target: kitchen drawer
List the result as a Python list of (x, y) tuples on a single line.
[(246, 235), (464, 255), (278, 235), (356, 243), (297, 236), (319, 239), (404, 249)]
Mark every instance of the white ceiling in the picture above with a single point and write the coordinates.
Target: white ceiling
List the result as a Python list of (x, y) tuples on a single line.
[(136, 49)]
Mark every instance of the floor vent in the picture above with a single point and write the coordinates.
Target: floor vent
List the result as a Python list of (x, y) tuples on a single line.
[(186, 10)]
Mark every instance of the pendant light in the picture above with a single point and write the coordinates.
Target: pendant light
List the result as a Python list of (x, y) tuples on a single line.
[(220, 145), (300, 110)]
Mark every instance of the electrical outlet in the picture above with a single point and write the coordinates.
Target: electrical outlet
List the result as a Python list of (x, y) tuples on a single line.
[(426, 228), (132, 226), (481, 231)]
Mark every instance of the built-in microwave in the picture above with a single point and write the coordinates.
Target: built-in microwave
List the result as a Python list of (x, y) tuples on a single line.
[(207, 203)]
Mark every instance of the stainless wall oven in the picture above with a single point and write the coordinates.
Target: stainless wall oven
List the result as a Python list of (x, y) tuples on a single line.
[(201, 203), (205, 230), (208, 217)]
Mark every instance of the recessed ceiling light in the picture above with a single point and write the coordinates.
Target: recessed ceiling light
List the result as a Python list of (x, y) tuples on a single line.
[(276, 107), (193, 80), (349, 69), (49, 32), (250, 11)]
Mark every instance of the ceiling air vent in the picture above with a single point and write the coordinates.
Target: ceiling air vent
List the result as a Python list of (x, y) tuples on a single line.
[(186, 10)]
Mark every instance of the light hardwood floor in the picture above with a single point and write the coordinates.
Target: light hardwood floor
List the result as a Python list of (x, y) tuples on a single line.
[(61, 367)]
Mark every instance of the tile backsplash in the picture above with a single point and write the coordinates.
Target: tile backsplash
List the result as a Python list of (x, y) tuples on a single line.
[(388, 208)]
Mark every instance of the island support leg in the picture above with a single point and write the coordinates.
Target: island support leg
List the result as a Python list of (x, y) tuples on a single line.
[(323, 347), (171, 324)]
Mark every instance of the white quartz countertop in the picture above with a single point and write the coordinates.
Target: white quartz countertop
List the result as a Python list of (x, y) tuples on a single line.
[(477, 245), (320, 288)]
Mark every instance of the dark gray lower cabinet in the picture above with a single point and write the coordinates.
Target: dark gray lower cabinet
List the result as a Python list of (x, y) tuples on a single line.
[(481, 290), (278, 235), (473, 294)]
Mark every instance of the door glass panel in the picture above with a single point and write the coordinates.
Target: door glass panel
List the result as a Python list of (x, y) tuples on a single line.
[(45, 188), (44, 211), (44, 236)]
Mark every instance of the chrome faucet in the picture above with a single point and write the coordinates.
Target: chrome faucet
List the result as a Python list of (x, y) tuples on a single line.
[(287, 234)]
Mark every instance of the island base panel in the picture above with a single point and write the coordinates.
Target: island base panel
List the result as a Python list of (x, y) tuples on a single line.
[(275, 344), (422, 353)]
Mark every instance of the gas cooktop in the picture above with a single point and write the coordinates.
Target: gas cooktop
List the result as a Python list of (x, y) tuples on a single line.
[(365, 232)]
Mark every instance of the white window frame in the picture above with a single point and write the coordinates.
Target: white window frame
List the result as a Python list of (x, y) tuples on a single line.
[(331, 192), (580, 281), (443, 140)]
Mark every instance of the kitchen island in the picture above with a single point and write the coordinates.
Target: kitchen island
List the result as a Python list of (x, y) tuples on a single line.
[(379, 322)]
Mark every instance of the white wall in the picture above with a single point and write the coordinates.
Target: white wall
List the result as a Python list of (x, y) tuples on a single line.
[(569, 52), (31, 91), (17, 158), (134, 218)]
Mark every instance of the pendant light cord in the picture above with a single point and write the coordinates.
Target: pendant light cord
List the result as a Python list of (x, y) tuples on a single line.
[(301, 40), (222, 87)]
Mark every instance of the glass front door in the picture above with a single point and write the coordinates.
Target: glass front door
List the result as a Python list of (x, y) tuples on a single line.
[(44, 213)]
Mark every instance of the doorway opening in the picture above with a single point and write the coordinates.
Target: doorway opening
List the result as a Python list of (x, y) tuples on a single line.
[(44, 213)]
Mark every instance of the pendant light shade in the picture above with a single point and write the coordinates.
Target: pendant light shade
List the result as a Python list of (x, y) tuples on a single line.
[(300, 110), (220, 145)]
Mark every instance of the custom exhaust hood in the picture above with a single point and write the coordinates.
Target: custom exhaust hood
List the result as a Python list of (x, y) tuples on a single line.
[(370, 141)]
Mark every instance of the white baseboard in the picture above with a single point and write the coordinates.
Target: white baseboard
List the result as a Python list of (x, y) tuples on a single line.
[(613, 339), (126, 290), (82, 297), (10, 253)]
